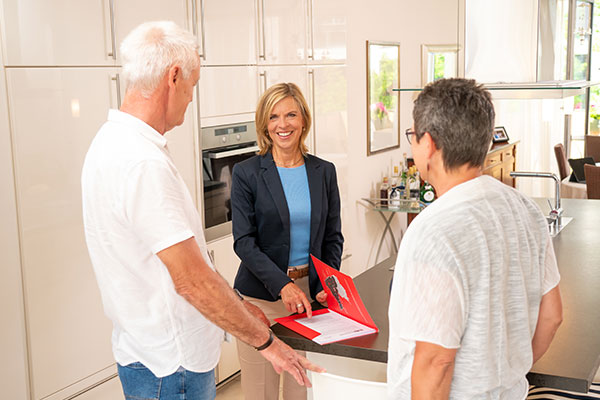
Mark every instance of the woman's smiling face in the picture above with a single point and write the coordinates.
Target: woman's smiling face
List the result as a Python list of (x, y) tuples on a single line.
[(286, 125)]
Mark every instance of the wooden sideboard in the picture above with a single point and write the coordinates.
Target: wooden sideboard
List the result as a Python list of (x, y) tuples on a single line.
[(501, 161)]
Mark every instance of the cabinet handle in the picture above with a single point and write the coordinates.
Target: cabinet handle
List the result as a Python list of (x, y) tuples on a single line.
[(113, 39), (311, 74), (202, 53), (311, 36), (117, 80), (263, 75), (261, 30)]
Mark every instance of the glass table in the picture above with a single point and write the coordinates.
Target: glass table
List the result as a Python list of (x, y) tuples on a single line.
[(387, 212)]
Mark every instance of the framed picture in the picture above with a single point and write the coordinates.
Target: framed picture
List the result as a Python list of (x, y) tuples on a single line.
[(500, 135), (383, 106)]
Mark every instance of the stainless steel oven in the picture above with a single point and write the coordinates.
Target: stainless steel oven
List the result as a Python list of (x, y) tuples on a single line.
[(222, 147)]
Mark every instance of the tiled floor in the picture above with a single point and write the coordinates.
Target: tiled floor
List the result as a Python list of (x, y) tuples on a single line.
[(231, 390)]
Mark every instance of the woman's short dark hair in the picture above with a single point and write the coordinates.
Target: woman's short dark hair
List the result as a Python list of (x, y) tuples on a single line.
[(459, 115)]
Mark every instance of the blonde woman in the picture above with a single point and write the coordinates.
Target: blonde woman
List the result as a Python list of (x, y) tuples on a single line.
[(286, 205)]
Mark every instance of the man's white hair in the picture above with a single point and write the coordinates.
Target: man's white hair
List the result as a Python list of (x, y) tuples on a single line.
[(151, 49)]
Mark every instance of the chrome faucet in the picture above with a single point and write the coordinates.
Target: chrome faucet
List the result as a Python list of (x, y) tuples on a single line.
[(555, 215)]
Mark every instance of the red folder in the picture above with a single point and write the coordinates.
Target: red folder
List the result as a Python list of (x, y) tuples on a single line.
[(342, 298)]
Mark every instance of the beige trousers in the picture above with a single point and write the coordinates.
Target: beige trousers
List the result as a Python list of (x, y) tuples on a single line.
[(259, 379)]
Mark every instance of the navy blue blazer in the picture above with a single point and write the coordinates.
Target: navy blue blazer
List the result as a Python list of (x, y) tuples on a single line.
[(261, 224)]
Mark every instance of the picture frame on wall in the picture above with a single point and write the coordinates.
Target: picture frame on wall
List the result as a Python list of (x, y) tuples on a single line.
[(383, 105), (500, 135)]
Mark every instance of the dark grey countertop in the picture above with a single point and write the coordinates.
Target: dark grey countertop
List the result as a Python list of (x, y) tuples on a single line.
[(574, 355)]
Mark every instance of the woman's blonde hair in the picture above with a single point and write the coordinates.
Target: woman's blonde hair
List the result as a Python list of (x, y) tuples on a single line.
[(267, 102)]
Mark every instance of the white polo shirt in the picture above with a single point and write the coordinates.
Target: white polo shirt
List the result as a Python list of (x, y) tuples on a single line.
[(136, 204), (470, 275)]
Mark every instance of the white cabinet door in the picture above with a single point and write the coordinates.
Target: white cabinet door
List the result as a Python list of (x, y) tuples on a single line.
[(270, 75), (109, 390), (58, 32), (226, 263), (13, 369), (327, 39), (131, 13), (282, 31), (55, 113), (227, 91), (182, 145), (229, 31), (330, 125)]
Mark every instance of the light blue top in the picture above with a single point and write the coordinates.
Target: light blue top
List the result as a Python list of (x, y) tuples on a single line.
[(297, 195)]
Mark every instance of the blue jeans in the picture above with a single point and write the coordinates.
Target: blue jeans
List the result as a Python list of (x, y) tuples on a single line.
[(139, 383)]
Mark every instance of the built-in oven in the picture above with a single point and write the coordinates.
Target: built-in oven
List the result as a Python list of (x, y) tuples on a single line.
[(222, 147)]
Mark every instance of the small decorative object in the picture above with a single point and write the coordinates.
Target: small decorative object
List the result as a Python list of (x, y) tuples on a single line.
[(383, 75), (500, 135)]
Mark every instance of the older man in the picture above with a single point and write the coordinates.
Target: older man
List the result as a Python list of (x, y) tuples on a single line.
[(145, 237), (475, 299)]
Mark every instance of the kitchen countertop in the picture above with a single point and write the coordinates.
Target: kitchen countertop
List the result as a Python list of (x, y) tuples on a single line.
[(574, 355)]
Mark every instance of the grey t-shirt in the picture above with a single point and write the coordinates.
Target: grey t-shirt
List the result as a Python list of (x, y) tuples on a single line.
[(471, 271)]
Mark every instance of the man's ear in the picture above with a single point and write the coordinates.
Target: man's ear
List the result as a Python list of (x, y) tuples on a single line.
[(174, 74)]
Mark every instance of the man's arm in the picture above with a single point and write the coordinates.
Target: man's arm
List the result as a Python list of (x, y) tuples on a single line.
[(549, 318), (432, 371), (206, 290)]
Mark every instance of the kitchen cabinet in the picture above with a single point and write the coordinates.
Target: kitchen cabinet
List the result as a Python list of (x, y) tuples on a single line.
[(62, 303), (282, 31), (501, 161), (327, 38), (59, 32), (13, 347), (270, 75), (227, 31), (78, 33), (328, 138), (226, 263), (227, 91), (111, 389)]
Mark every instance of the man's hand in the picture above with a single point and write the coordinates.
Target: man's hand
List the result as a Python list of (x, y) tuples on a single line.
[(257, 312), (322, 298), (295, 300), (283, 358)]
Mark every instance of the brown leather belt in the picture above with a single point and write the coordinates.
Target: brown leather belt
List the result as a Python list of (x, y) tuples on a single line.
[(297, 272)]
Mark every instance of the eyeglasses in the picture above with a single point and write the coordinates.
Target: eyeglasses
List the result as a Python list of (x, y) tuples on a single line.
[(408, 134)]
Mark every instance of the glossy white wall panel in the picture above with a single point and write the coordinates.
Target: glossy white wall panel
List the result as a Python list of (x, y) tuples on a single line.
[(329, 30), (131, 13), (285, 31), (58, 32), (13, 369), (227, 90), (55, 113), (229, 32)]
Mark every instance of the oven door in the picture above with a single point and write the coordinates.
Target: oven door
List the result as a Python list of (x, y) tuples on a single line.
[(217, 166)]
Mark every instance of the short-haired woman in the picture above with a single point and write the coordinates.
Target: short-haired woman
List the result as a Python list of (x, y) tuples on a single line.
[(285, 206)]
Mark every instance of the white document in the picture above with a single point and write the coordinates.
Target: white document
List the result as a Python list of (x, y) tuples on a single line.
[(333, 327)]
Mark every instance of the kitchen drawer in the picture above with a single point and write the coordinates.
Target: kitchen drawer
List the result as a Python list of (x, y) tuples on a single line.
[(492, 159)]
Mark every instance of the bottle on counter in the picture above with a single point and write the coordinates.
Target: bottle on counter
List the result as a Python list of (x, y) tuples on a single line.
[(415, 187), (394, 197), (402, 182), (427, 193), (384, 191)]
